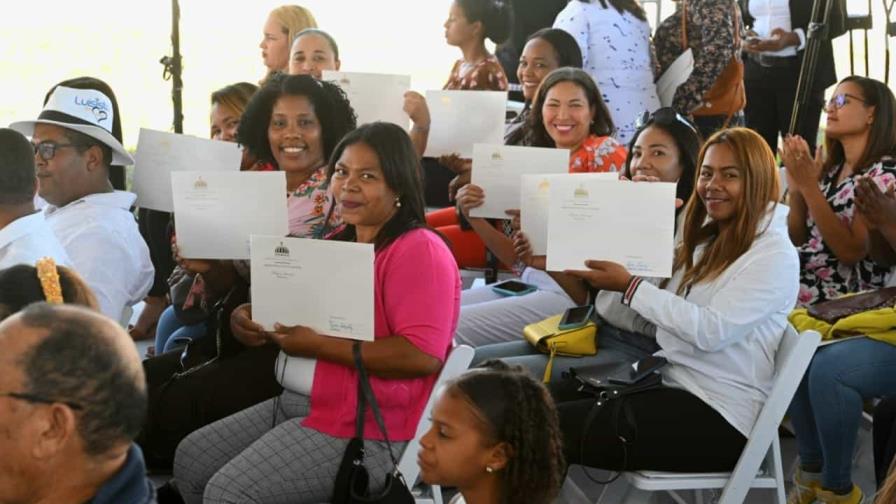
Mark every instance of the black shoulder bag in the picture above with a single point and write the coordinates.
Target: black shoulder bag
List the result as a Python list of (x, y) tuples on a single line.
[(352, 481)]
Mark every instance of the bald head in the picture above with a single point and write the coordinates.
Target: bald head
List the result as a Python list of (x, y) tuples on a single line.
[(83, 358)]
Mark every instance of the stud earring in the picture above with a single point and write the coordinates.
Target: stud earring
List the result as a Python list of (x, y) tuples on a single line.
[(489, 469), (397, 202)]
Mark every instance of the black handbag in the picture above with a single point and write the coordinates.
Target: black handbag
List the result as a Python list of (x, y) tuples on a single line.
[(352, 480), (597, 385)]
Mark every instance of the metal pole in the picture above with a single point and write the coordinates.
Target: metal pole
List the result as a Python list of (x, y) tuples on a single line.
[(173, 68), (817, 33)]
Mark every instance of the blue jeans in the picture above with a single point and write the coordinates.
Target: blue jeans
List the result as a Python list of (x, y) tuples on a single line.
[(171, 333), (827, 407), (613, 345)]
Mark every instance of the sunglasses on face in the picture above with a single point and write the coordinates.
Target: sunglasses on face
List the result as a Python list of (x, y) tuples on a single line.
[(838, 101), (664, 115), (47, 150)]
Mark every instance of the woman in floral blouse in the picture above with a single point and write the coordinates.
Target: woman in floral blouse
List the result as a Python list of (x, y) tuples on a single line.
[(469, 23), (712, 36), (836, 252)]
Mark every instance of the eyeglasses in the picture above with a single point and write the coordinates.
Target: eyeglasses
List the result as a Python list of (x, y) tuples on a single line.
[(47, 150), (32, 398), (664, 115), (838, 101)]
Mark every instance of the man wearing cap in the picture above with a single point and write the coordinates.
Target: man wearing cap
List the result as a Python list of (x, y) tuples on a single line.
[(25, 236), (73, 149), (72, 398)]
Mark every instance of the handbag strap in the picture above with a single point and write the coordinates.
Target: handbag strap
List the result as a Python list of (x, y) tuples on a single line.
[(365, 396)]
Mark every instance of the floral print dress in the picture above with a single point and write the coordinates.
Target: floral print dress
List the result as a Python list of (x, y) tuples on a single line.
[(487, 75), (822, 275), (598, 154)]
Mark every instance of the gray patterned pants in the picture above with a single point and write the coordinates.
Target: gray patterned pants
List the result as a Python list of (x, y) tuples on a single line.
[(242, 458)]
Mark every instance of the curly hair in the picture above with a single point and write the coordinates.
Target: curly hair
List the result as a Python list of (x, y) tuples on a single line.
[(330, 104), (602, 125), (517, 410)]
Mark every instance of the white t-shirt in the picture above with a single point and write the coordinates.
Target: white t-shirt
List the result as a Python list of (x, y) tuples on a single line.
[(27, 239), (100, 235)]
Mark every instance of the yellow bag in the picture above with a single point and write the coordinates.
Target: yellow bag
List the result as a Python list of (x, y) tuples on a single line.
[(547, 338)]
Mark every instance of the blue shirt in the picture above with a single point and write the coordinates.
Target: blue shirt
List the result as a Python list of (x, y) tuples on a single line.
[(129, 485)]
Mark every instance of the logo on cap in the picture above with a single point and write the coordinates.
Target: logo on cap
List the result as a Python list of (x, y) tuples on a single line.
[(99, 108)]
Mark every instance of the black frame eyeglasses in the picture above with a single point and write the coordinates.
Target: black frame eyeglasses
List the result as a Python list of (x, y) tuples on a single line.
[(33, 398), (47, 150), (663, 115), (840, 100)]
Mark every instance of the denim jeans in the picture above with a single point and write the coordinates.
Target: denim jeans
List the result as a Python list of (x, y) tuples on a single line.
[(171, 333), (614, 345), (827, 407)]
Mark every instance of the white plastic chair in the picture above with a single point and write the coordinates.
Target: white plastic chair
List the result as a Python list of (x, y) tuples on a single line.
[(793, 358), (457, 362)]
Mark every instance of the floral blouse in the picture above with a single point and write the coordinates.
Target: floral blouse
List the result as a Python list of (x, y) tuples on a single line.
[(710, 32), (598, 154), (822, 276), (308, 206), (487, 75)]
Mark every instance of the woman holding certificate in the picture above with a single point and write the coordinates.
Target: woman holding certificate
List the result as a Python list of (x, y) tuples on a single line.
[(567, 113), (718, 322), (291, 447), (545, 51), (292, 124)]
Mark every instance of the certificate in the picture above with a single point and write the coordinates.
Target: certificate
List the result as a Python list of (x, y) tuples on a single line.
[(375, 97), (497, 170), (460, 119), (215, 212), (322, 284), (677, 74), (630, 223), (159, 153), (535, 194)]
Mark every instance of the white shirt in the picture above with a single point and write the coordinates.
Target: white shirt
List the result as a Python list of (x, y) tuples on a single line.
[(721, 338), (616, 53), (27, 239), (100, 234), (771, 14)]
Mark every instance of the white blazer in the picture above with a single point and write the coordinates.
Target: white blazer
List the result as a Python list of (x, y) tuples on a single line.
[(721, 337)]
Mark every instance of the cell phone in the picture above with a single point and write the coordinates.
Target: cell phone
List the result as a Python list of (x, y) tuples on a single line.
[(574, 318), (642, 369), (513, 288)]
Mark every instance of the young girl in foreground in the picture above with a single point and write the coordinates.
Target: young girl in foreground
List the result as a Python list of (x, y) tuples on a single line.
[(495, 437)]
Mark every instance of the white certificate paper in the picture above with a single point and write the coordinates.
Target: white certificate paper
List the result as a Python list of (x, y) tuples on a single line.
[(497, 170), (460, 119), (630, 223), (535, 195), (375, 97), (322, 284), (216, 212), (677, 74), (159, 153)]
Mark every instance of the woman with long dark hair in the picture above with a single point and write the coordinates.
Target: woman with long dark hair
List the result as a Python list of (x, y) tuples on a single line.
[(375, 180)]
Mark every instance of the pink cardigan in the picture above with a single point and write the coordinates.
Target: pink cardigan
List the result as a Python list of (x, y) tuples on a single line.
[(416, 296)]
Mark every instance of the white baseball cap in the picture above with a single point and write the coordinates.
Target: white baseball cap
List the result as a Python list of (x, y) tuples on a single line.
[(87, 111)]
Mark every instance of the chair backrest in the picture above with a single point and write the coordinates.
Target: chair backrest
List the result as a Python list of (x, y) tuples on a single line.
[(458, 361), (793, 357)]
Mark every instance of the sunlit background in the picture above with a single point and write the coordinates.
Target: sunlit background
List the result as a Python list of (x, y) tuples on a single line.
[(121, 42)]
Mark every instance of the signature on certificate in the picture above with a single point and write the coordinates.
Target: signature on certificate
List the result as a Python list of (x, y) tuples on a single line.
[(339, 324)]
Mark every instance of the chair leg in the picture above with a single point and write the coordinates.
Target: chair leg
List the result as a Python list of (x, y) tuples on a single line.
[(777, 470), (677, 498), (698, 496)]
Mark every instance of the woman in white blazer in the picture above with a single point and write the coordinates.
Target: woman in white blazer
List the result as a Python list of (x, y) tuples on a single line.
[(719, 321)]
